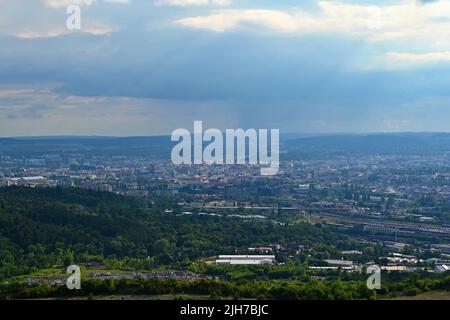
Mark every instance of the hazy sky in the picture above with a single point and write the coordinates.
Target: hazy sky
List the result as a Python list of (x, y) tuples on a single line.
[(143, 67)]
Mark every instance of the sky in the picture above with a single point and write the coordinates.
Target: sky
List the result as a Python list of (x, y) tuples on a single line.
[(148, 67)]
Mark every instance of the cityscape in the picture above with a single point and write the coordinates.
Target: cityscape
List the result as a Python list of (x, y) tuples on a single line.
[(393, 207), (224, 158)]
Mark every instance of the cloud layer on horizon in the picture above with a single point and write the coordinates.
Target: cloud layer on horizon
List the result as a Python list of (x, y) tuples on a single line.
[(321, 66)]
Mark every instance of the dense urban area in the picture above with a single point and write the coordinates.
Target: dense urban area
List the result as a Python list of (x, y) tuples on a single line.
[(225, 230)]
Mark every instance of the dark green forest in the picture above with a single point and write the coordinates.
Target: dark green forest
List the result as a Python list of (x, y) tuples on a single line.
[(44, 227)]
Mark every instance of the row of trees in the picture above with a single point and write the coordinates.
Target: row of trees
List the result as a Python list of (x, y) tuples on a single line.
[(273, 289)]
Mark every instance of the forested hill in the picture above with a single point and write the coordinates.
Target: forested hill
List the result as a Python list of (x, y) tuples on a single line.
[(376, 143), (54, 226), (159, 147), (156, 146)]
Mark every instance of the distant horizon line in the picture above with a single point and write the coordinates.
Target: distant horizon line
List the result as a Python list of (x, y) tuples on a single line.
[(305, 134)]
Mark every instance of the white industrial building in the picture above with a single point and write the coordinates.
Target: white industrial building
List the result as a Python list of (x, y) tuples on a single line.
[(245, 259), (24, 181), (442, 268)]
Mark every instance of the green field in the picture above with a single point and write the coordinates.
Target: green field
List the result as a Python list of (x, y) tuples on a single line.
[(434, 295)]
